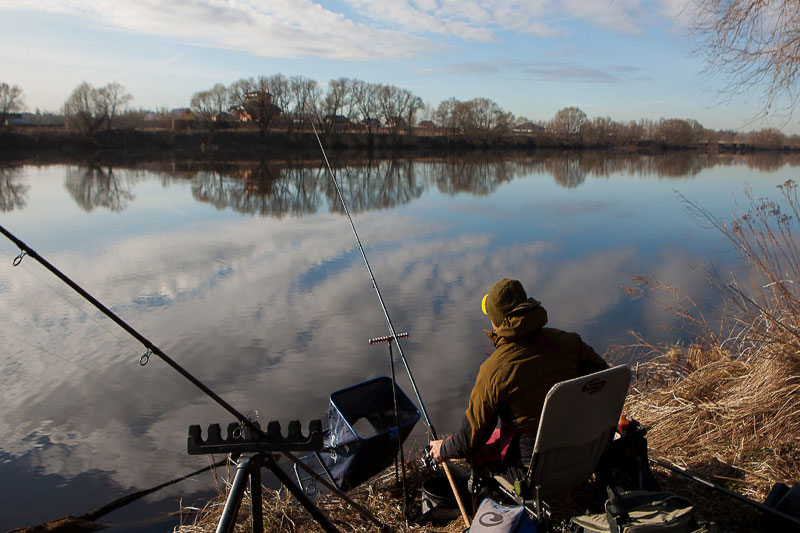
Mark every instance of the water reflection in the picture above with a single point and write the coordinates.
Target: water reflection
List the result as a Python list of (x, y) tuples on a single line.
[(264, 189), (94, 187), (281, 188), (12, 192), (273, 311)]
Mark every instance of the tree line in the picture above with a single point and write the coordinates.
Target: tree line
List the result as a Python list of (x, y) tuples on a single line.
[(292, 104)]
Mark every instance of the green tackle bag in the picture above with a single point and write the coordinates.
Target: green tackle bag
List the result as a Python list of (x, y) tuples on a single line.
[(640, 511)]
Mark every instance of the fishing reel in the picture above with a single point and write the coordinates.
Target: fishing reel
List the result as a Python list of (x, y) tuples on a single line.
[(429, 461)]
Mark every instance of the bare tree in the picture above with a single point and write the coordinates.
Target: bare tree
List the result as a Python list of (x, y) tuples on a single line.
[(366, 104), (754, 44), (238, 91), (446, 115), (398, 107), (568, 121), (85, 109), (208, 104), (338, 99), (305, 95), (486, 116), (278, 87), (113, 99), (11, 101)]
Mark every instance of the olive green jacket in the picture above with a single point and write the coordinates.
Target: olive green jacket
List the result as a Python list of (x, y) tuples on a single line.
[(512, 383)]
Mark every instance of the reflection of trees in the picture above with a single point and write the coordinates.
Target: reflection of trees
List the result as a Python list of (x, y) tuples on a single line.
[(280, 188), (769, 161), (93, 187), (376, 186), (567, 171), (12, 193), (476, 175), (262, 190)]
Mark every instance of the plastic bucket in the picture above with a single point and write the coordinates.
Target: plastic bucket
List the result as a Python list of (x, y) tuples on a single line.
[(438, 495)]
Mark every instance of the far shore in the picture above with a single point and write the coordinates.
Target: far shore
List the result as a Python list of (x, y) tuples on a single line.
[(52, 143)]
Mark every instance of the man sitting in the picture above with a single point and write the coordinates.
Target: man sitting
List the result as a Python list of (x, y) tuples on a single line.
[(512, 383)]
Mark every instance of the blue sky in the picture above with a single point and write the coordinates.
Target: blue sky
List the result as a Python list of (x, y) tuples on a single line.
[(627, 59)]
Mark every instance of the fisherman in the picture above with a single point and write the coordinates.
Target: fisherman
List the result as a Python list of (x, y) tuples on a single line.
[(512, 383)]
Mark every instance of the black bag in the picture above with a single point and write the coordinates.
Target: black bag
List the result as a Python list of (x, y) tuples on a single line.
[(624, 463)]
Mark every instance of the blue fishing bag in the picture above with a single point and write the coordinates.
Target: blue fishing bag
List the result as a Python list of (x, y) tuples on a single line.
[(362, 436)]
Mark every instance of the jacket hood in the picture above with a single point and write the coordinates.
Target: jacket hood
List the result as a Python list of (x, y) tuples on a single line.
[(525, 319)]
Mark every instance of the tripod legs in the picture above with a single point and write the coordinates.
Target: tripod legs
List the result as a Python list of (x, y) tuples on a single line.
[(250, 466), (228, 519)]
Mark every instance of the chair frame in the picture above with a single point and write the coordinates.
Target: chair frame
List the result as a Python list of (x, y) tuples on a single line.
[(517, 490)]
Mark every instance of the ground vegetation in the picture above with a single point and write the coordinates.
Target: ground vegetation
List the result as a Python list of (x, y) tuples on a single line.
[(727, 404)]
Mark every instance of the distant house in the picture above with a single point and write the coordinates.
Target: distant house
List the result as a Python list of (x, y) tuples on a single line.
[(183, 118), (240, 114), (372, 124), (256, 104), (528, 127), (16, 119), (397, 124), (222, 117), (181, 113), (337, 122), (426, 127)]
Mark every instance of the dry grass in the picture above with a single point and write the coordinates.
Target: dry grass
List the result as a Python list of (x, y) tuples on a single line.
[(727, 406), (382, 496)]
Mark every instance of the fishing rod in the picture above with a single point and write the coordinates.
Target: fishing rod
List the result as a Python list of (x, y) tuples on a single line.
[(392, 334), (744, 499), (152, 349)]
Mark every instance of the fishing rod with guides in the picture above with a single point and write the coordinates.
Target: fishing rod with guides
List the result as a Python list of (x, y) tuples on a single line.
[(153, 349), (393, 335)]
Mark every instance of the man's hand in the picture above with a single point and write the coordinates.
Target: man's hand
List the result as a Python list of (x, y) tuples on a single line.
[(436, 450)]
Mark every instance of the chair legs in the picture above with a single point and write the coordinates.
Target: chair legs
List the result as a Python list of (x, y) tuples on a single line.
[(505, 491)]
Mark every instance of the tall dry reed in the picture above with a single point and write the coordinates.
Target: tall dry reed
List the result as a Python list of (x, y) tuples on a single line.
[(727, 405)]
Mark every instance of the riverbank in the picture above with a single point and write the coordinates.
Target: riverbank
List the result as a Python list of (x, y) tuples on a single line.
[(51, 143), (723, 407)]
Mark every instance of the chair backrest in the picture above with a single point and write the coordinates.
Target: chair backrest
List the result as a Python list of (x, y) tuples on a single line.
[(577, 421)]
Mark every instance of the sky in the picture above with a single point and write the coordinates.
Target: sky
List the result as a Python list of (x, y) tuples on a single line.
[(625, 59)]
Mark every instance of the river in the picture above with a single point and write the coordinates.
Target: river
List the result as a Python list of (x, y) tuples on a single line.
[(247, 273)]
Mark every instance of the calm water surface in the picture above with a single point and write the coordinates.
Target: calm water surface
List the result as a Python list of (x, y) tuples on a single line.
[(248, 275)]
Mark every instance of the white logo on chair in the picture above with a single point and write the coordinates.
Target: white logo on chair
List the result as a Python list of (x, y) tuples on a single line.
[(490, 519), (496, 518), (595, 385)]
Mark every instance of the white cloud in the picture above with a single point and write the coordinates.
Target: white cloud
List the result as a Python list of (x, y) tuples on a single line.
[(476, 20), (626, 16), (371, 29), (680, 13), (279, 28)]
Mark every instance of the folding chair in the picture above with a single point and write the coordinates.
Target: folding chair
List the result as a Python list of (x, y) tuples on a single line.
[(577, 423)]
